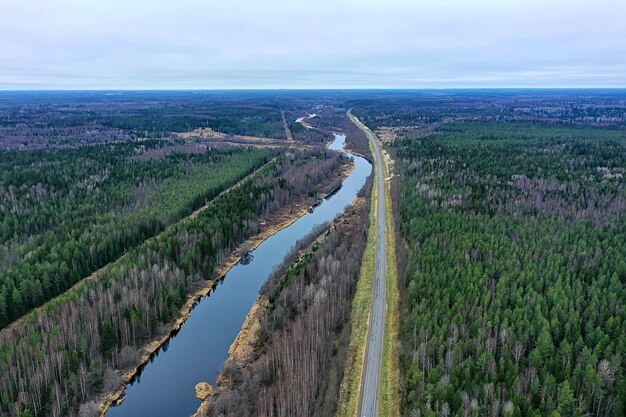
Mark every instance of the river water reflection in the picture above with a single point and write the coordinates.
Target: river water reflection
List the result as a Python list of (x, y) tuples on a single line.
[(165, 387)]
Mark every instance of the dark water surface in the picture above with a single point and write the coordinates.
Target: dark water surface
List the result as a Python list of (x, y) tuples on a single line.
[(165, 387)]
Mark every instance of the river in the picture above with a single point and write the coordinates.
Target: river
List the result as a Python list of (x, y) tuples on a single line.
[(165, 386)]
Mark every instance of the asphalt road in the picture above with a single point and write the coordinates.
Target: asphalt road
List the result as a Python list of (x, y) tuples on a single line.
[(370, 384)]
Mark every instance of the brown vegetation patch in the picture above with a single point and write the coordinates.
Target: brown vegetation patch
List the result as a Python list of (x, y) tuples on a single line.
[(210, 137)]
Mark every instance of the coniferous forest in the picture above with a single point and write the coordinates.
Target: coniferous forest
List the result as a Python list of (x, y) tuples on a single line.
[(515, 280), (65, 213)]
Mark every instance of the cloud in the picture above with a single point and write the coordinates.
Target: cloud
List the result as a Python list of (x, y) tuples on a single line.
[(324, 44)]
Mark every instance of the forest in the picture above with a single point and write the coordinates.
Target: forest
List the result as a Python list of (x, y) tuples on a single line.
[(36, 120), (299, 349), (65, 213), (416, 110), (511, 217), (75, 348), (514, 287)]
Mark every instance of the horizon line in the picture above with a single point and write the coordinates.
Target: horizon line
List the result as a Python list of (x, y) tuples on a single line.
[(234, 89)]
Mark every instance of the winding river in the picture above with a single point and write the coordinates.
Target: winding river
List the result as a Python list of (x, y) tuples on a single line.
[(165, 386)]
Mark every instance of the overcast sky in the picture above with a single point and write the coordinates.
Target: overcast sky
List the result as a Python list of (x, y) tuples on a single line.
[(207, 44)]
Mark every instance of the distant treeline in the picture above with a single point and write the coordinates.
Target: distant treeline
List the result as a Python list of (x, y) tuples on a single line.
[(561, 107), (69, 124)]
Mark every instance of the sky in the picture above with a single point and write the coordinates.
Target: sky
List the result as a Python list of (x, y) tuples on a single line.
[(267, 44)]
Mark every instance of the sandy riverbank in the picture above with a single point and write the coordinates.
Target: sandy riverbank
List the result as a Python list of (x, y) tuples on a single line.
[(241, 352)]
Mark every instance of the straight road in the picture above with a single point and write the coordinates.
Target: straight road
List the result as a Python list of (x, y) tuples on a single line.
[(370, 384)]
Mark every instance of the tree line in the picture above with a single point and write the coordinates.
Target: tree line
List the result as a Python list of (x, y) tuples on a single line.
[(66, 213), (72, 120)]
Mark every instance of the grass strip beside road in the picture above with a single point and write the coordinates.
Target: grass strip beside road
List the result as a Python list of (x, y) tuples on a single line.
[(350, 389), (389, 405)]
